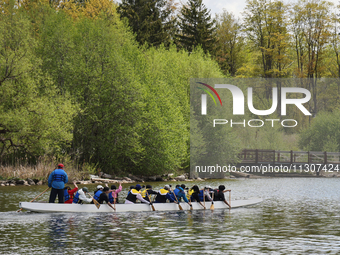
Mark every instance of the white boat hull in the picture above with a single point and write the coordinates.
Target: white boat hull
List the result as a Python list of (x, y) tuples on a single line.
[(91, 208)]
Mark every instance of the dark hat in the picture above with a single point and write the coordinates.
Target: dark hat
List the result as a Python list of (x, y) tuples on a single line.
[(113, 187), (148, 186), (138, 187), (221, 187), (85, 189), (61, 165)]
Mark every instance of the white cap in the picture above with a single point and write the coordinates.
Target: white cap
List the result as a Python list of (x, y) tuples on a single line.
[(100, 187)]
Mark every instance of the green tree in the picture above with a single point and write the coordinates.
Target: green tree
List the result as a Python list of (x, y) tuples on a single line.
[(266, 27), (196, 27), (311, 25), (323, 133), (229, 53), (149, 20), (34, 120)]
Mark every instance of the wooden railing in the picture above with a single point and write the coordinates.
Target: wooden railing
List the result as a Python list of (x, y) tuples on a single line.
[(292, 157)]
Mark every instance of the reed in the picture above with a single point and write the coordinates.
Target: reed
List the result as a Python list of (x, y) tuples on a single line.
[(40, 171)]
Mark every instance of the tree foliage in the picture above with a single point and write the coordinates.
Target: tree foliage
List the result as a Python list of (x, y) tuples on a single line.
[(34, 118), (149, 20), (196, 27), (229, 43)]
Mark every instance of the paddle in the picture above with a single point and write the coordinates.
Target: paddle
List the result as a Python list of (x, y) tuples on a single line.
[(212, 207), (36, 197), (94, 201), (204, 197), (153, 208), (180, 207)]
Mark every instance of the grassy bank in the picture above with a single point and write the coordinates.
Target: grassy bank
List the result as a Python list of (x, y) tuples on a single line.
[(41, 171)]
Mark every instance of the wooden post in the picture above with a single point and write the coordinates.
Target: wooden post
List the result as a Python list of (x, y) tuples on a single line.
[(256, 156), (325, 158), (291, 156)]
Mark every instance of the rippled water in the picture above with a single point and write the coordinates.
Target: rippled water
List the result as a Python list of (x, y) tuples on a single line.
[(298, 216)]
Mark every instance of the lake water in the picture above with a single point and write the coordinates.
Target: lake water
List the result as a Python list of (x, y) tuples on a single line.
[(297, 216)]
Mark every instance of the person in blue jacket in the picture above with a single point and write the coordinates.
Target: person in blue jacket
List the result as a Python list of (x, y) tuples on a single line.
[(56, 181)]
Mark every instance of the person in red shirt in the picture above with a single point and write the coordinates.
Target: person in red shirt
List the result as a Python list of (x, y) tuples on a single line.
[(69, 193)]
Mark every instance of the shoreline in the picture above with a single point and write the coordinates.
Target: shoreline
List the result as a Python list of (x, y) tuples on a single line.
[(105, 178)]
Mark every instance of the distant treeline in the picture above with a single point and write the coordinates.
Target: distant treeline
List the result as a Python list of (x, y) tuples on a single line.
[(106, 86)]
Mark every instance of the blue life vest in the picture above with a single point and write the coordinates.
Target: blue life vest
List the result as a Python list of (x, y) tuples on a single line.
[(66, 195), (58, 177), (200, 195), (76, 198), (97, 195)]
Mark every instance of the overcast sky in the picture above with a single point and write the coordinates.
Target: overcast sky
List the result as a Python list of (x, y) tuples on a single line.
[(234, 6)]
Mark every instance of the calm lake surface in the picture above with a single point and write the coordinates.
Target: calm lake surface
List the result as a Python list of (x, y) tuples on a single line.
[(297, 216)]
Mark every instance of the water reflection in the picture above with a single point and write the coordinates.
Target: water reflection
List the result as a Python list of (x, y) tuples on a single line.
[(57, 235)]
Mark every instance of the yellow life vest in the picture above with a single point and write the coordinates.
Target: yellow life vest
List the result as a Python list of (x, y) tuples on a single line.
[(163, 192), (143, 193), (190, 191)]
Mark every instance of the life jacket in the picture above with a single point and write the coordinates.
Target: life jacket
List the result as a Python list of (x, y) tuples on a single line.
[(217, 195), (190, 191), (161, 196), (111, 199), (201, 195), (66, 195), (76, 199), (58, 177), (143, 193), (97, 194), (132, 196)]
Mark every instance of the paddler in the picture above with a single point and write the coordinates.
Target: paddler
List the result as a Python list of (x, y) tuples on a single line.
[(219, 195), (69, 193), (164, 194), (80, 196), (146, 194), (135, 194)]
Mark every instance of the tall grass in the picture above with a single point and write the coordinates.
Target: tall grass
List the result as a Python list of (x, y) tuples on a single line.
[(42, 170)]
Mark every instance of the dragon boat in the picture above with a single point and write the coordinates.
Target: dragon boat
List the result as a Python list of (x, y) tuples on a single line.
[(120, 208)]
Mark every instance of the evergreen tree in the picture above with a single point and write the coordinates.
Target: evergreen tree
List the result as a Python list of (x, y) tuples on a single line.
[(196, 27), (150, 20)]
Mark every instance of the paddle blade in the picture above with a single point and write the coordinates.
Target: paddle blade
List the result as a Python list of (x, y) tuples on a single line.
[(96, 203), (212, 207), (180, 207), (153, 208)]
